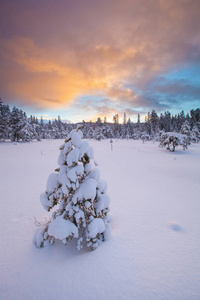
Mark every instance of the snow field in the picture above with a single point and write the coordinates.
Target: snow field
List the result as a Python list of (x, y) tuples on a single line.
[(153, 251)]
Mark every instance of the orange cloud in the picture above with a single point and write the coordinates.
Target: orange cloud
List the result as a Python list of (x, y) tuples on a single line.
[(43, 76), (48, 76)]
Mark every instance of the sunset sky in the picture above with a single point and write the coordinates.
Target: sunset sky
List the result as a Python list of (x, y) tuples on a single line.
[(81, 59)]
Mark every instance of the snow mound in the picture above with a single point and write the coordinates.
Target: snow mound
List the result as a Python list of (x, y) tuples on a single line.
[(52, 183), (95, 174), (86, 191), (74, 172), (102, 203), (61, 228), (73, 156), (95, 227), (67, 147), (88, 168), (76, 140), (44, 201), (107, 231)]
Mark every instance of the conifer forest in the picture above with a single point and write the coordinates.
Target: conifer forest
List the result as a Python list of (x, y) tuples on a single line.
[(16, 126)]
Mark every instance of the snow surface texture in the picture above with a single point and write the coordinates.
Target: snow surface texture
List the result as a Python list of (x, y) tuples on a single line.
[(153, 252), (81, 207)]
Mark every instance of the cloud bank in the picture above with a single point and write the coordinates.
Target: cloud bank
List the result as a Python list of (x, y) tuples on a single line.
[(54, 53)]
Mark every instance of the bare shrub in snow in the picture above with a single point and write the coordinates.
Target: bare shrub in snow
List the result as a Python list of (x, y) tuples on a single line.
[(80, 198)]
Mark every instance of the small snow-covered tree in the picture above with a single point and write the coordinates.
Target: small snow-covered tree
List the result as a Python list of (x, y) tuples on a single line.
[(171, 140), (80, 198)]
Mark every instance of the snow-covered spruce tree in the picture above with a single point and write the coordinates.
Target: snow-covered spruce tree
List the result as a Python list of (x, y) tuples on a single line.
[(79, 196)]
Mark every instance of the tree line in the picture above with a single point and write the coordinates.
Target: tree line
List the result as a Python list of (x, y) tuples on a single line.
[(16, 126)]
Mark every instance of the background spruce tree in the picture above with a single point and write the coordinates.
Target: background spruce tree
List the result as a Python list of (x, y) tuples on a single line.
[(195, 134), (185, 129), (5, 118)]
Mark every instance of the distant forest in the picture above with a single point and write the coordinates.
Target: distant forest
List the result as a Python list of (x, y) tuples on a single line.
[(16, 126)]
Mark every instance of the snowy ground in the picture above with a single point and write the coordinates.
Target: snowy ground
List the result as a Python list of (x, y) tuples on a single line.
[(154, 249)]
